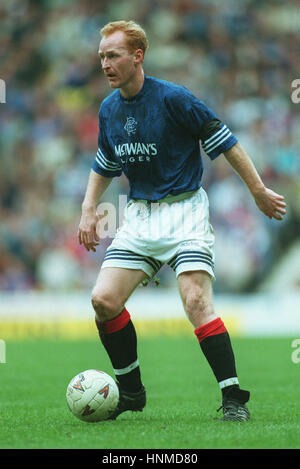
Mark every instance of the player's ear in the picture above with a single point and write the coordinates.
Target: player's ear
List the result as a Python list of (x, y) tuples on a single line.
[(138, 56)]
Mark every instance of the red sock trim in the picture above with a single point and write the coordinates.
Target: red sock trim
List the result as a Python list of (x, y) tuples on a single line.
[(116, 324), (211, 328)]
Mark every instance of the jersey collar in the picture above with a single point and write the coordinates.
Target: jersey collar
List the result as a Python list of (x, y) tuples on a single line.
[(137, 97)]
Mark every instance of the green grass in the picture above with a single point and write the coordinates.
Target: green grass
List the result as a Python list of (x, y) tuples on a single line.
[(182, 397)]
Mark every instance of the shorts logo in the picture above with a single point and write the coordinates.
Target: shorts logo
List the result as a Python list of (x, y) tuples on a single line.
[(130, 126)]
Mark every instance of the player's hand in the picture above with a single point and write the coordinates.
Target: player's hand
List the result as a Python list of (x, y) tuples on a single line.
[(270, 203), (87, 230)]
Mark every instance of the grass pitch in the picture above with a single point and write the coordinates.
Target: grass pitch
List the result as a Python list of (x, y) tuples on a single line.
[(182, 397)]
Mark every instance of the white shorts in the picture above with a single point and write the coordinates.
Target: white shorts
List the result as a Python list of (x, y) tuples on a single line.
[(174, 231)]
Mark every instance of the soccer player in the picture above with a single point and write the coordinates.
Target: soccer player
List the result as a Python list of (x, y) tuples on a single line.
[(150, 129)]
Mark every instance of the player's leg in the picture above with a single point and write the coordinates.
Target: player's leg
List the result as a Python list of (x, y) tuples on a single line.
[(113, 287), (117, 333), (195, 288), (197, 295)]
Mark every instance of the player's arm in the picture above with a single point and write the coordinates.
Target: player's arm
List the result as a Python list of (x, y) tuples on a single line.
[(104, 169), (268, 201), (87, 230)]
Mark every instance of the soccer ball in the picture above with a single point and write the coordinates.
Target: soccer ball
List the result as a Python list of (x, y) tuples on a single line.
[(92, 396)]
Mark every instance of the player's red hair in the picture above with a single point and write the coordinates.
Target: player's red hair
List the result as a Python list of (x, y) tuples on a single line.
[(136, 36)]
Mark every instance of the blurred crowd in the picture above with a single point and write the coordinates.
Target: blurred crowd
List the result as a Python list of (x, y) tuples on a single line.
[(240, 58)]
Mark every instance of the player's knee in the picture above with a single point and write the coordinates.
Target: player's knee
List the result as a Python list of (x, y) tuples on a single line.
[(105, 306), (197, 302)]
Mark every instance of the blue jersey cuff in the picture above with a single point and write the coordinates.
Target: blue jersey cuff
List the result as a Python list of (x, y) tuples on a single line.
[(229, 143), (104, 172)]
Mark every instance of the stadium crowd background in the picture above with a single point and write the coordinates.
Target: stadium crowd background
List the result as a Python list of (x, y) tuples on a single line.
[(238, 57)]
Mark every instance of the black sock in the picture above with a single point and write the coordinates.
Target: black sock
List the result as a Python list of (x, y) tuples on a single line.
[(216, 346), (219, 354), (120, 343)]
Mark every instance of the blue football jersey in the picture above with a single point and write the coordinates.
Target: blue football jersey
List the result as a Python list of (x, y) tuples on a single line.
[(154, 138)]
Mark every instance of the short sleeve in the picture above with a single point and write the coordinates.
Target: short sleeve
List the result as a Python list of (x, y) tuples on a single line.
[(104, 162), (218, 140), (195, 117)]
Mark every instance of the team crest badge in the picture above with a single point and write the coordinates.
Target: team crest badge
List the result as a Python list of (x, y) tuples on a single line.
[(130, 126)]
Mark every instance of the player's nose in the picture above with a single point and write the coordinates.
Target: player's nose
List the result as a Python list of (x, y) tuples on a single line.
[(105, 63)]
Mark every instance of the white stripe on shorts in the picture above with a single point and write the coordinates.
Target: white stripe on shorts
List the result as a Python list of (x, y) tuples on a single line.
[(127, 369), (228, 382)]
